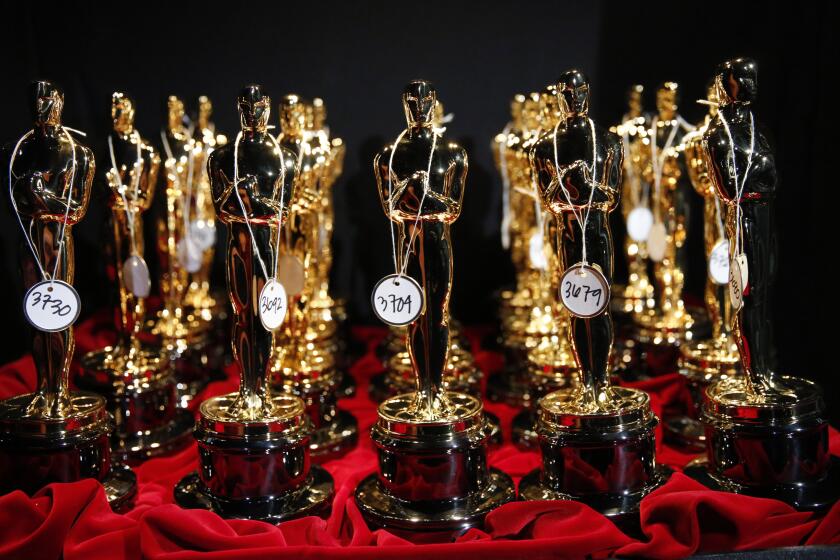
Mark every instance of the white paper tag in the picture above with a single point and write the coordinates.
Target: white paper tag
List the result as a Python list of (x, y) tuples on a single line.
[(203, 233), (719, 263), (744, 269), (136, 276), (736, 285), (397, 300), (190, 254), (291, 274), (273, 305), (584, 291), (51, 306), (657, 242), (322, 234), (536, 248), (639, 223)]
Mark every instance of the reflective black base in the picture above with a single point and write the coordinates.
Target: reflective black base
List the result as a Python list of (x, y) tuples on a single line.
[(509, 388), (196, 367), (685, 432), (136, 448), (622, 508), (524, 430), (806, 496), (381, 509), (347, 387), (120, 487), (314, 497), (335, 438)]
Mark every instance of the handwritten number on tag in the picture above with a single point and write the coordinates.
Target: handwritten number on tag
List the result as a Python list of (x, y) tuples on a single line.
[(584, 291), (51, 306), (397, 300)]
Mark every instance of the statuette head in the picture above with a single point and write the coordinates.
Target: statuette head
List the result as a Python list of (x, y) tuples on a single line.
[(419, 99), (47, 103), (573, 93), (254, 108)]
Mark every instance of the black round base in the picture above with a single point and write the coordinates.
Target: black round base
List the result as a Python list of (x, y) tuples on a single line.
[(175, 435), (508, 388), (380, 509), (807, 496), (314, 497), (334, 439), (495, 426), (378, 389), (347, 388), (523, 431), (685, 432), (621, 509), (120, 487)]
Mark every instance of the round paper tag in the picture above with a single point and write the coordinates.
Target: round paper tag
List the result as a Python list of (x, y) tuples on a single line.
[(273, 305), (736, 285), (136, 276), (657, 242), (639, 222), (291, 274), (584, 291), (397, 300), (536, 247), (203, 233), (51, 306), (190, 254), (719, 263)]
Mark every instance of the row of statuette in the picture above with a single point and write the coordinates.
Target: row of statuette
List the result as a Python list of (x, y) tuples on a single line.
[(569, 334)]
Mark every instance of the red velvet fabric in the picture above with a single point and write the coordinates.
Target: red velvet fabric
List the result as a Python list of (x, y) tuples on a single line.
[(680, 518)]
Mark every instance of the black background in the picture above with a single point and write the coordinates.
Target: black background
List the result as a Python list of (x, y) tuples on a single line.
[(358, 55)]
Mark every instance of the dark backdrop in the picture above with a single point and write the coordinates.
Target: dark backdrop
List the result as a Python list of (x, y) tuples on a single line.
[(357, 56)]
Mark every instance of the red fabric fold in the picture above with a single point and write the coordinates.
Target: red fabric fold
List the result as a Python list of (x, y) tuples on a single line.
[(679, 519)]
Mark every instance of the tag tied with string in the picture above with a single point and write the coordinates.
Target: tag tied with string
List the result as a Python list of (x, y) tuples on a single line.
[(135, 270), (584, 289), (640, 218), (272, 302), (719, 262), (398, 299), (657, 239), (738, 267), (639, 223), (49, 305)]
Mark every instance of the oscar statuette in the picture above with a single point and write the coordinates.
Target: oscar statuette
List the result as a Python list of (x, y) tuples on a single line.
[(597, 440), (433, 473), (766, 433), (254, 445), (706, 360), (54, 434), (136, 379), (305, 350)]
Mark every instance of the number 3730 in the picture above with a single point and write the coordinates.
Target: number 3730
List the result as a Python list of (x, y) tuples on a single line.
[(56, 305)]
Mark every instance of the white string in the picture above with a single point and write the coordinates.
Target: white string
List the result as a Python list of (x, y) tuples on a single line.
[(66, 132), (276, 251), (177, 181), (505, 189), (687, 126), (400, 270), (577, 214), (739, 187), (129, 210), (187, 203), (658, 161)]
